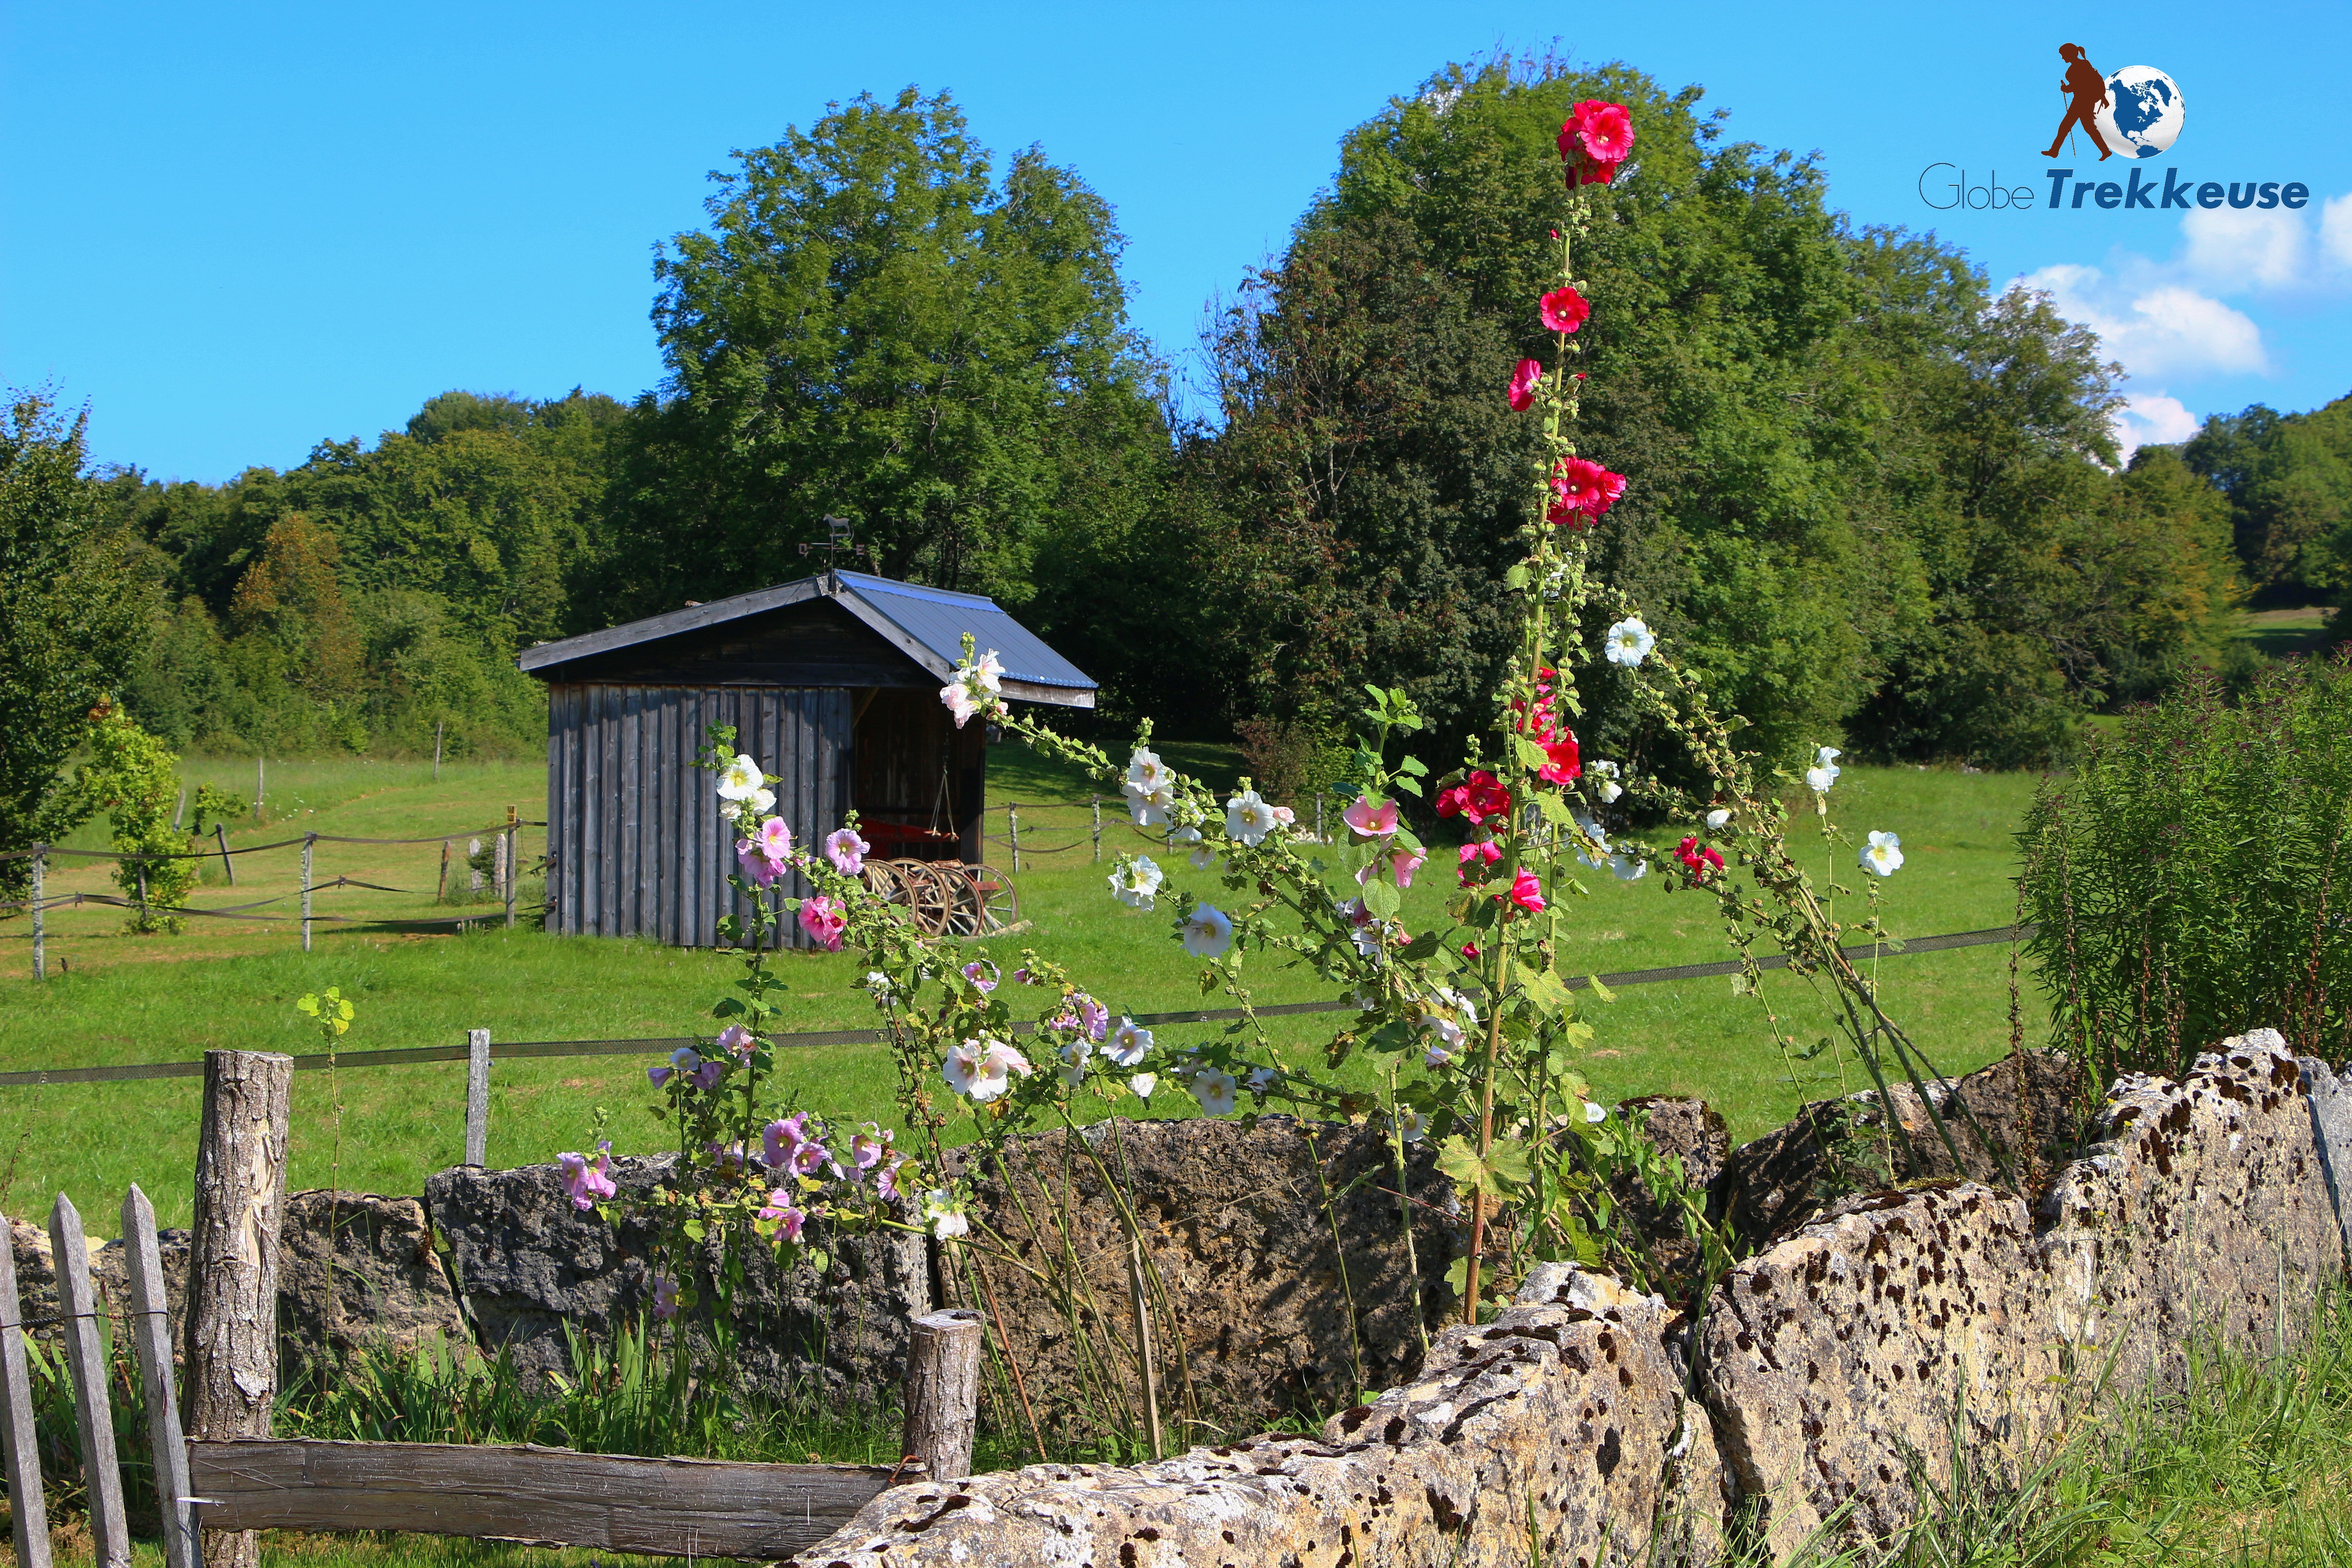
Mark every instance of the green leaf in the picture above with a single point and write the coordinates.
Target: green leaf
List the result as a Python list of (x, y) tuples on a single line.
[(1544, 992), (1530, 755), (1600, 990), (1517, 577), (1382, 898)]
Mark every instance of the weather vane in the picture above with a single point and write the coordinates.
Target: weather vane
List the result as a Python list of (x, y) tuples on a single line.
[(838, 543)]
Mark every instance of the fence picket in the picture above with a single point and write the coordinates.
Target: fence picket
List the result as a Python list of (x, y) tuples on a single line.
[(86, 1358), (478, 1097), (151, 1329), (20, 1452)]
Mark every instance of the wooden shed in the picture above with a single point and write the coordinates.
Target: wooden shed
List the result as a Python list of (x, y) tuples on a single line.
[(832, 683)]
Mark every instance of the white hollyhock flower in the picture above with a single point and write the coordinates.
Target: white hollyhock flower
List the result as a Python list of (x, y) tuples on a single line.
[(1136, 879), (1592, 844), (879, 984), (1143, 1083), (763, 801), (1824, 771), (1128, 1044), (1262, 1078), (1208, 932), (741, 779), (939, 1212), (1628, 867), (1149, 805), (1882, 856), (1202, 855), (1248, 818), (981, 1068), (1146, 769), (1716, 818), (989, 673), (1605, 777), (1075, 1056), (1594, 1112), (1413, 1126), (1216, 1092), (960, 700), (1629, 642)]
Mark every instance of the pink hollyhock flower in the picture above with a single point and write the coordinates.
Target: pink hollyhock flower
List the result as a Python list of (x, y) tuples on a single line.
[(756, 865), (822, 918), (1527, 891), (983, 982), (886, 1183), (1564, 309), (1472, 859), (868, 1145), (1371, 820), (1469, 950), (737, 1039), (665, 1297), (1402, 864), (775, 839), (1583, 487), (847, 850), (1698, 858), (1523, 385), (1475, 799), (780, 1208), (586, 1180), (809, 1158), (780, 1138), (1092, 1014), (707, 1075), (1595, 139)]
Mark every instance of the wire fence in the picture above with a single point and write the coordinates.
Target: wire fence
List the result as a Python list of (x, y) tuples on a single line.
[(1020, 843), (414, 1054), (504, 872)]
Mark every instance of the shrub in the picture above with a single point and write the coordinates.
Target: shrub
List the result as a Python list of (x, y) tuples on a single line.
[(2183, 883)]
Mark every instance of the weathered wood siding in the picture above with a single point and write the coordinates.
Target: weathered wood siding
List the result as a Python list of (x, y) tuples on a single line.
[(636, 841)]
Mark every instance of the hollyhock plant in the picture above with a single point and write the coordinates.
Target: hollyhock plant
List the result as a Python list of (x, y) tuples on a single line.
[(1143, 1083), (1563, 766), (1146, 770), (1207, 932), (1595, 139), (1523, 385), (737, 1041), (942, 1213), (1129, 1043), (1472, 859), (824, 920), (1700, 861), (1476, 799), (1583, 491), (1368, 818), (775, 839), (1824, 771), (782, 1139), (1527, 891), (1629, 642), (1402, 864), (1093, 1016), (586, 1180), (847, 850), (1135, 881), (1248, 818), (761, 870), (1215, 1091), (780, 1212), (1564, 309), (740, 779), (665, 1297), (1149, 803), (1607, 780), (983, 975)]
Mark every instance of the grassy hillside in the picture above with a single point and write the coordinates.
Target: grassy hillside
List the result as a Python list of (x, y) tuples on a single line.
[(115, 998)]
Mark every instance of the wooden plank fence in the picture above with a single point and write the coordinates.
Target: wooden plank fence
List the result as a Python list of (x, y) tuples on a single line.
[(217, 1485)]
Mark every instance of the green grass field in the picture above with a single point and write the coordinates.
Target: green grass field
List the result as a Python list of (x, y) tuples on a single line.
[(116, 999)]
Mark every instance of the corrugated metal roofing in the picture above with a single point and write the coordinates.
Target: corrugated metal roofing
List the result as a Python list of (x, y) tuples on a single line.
[(926, 624), (938, 619)]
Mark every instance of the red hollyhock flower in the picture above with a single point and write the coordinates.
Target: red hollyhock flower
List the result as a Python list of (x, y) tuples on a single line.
[(1564, 310), (1594, 141), (1527, 891), (1582, 486), (1475, 799), (1698, 859), (1523, 385), (1564, 765)]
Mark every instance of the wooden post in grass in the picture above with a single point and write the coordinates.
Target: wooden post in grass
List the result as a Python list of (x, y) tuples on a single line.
[(507, 865), (260, 777), (231, 1378), (1012, 829), (436, 750), (1096, 801), (478, 1097), (220, 837), (180, 812), (943, 1391), (308, 840), (20, 1454), (101, 1476), (150, 1331), (441, 893), (41, 934)]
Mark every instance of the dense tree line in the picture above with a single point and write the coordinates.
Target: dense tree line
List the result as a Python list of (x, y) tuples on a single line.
[(1874, 500)]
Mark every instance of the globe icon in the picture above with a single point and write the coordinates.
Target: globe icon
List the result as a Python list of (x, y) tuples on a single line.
[(2144, 113)]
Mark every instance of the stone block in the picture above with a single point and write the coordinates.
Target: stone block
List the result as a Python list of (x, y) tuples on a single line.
[(1557, 1434), (1235, 1228), (354, 1271), (1869, 1342), (528, 1265)]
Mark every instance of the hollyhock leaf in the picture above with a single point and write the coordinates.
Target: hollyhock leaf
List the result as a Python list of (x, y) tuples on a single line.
[(1381, 898)]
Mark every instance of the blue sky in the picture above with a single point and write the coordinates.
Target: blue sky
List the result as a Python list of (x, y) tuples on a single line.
[(234, 230)]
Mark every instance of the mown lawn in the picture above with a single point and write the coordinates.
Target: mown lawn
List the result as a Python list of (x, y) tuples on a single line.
[(114, 999)]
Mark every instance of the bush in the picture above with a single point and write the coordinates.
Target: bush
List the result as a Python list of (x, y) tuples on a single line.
[(2183, 883)]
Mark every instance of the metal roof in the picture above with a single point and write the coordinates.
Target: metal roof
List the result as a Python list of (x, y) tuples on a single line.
[(927, 625)]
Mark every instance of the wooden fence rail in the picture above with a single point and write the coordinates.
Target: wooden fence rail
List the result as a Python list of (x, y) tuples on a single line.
[(216, 1488)]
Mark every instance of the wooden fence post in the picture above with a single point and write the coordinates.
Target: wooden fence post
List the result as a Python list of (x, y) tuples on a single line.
[(1013, 830), (260, 777), (41, 934), (436, 750), (507, 865), (151, 1331), (101, 1476), (441, 893), (478, 1097), (1096, 801), (309, 839), (943, 1391), (21, 1453), (232, 1344), (180, 812), (220, 837)]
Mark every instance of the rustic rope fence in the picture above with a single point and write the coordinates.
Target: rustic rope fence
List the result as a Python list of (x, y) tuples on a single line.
[(505, 873), (228, 1477)]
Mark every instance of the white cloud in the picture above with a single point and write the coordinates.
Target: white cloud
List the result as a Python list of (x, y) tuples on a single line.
[(2152, 419), (2233, 249), (2167, 328), (2335, 229)]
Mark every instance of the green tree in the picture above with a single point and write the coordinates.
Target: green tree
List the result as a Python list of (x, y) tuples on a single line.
[(73, 618), (134, 777), (873, 327)]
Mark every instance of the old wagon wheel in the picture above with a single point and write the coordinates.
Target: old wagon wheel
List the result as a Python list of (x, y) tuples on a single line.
[(882, 879), (931, 897), (1000, 903), (968, 915)]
